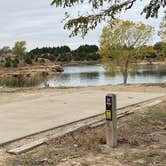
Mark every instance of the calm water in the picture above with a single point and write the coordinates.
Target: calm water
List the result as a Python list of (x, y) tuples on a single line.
[(96, 75)]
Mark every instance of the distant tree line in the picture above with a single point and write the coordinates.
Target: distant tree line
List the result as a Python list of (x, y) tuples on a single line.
[(155, 52), (65, 54), (18, 56)]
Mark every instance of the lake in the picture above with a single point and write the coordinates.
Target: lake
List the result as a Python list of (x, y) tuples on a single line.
[(96, 75)]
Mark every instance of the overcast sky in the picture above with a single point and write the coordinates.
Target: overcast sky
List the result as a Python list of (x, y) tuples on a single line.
[(39, 23)]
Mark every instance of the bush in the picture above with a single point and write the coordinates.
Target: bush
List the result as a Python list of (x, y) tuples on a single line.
[(27, 59), (42, 60), (51, 57), (15, 62), (92, 57), (81, 56), (8, 62)]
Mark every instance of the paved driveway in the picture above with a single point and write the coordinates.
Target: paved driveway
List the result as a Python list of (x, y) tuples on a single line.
[(22, 118)]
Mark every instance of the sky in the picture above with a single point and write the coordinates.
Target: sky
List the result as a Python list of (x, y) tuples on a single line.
[(40, 24)]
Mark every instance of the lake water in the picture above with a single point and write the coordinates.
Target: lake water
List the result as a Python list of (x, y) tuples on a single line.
[(96, 75)]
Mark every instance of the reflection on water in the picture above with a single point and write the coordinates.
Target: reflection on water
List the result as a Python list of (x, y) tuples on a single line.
[(152, 70), (96, 75)]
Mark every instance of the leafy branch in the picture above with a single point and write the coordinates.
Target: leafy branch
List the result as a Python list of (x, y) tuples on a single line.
[(82, 24)]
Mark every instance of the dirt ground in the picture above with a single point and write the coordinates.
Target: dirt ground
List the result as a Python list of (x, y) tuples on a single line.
[(141, 142), (9, 95), (141, 138)]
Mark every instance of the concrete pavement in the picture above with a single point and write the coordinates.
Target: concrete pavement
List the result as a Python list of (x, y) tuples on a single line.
[(22, 118)]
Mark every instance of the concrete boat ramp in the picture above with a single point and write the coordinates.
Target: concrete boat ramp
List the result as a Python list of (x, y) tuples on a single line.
[(21, 118)]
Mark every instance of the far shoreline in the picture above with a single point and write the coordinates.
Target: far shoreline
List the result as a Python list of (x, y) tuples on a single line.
[(99, 63), (130, 87), (57, 67)]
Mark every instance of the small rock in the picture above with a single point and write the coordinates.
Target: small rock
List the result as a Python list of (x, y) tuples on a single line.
[(63, 160), (74, 163), (75, 145), (44, 160), (141, 161)]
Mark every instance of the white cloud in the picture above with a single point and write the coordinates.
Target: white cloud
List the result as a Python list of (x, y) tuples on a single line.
[(40, 24)]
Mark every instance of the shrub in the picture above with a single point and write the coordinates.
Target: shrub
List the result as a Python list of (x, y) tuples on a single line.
[(28, 59), (15, 62), (8, 62)]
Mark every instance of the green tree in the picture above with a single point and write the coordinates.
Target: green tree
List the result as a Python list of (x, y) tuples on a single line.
[(145, 53), (103, 10), (86, 52), (19, 49), (162, 32), (117, 44), (160, 49)]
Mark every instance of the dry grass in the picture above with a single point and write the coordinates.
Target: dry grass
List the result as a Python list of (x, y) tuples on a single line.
[(144, 136), (162, 85), (141, 142), (70, 146)]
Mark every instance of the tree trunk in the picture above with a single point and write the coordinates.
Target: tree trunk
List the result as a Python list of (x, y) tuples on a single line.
[(21, 60), (125, 71), (125, 76)]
